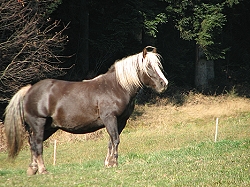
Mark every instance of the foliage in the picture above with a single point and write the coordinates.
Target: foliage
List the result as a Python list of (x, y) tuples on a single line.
[(111, 29), (151, 26), (120, 28), (201, 21), (51, 7)]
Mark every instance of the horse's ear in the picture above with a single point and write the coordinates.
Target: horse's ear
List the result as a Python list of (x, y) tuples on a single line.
[(144, 52), (154, 50), (150, 48)]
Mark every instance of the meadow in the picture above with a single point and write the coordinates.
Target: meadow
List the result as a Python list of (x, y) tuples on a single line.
[(163, 144)]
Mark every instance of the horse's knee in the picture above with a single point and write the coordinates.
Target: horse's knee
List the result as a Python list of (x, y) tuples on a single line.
[(116, 142)]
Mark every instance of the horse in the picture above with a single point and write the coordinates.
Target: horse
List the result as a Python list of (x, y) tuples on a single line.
[(106, 101)]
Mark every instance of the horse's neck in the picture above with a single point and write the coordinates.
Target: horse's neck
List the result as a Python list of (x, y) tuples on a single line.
[(112, 77)]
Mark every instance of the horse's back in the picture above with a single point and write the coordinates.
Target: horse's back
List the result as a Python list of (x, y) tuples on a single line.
[(44, 95)]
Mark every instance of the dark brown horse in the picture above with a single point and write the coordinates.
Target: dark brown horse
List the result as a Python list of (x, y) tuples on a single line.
[(80, 107)]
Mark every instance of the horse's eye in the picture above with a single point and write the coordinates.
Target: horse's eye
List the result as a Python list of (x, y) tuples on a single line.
[(151, 73)]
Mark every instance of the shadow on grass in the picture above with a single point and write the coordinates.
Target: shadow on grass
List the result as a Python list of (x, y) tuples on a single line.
[(136, 113)]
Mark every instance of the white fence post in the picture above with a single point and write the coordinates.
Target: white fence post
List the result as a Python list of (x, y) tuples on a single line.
[(216, 129), (54, 162)]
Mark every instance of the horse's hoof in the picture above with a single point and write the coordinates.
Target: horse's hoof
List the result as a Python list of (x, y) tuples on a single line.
[(44, 172), (31, 171), (111, 164), (108, 166)]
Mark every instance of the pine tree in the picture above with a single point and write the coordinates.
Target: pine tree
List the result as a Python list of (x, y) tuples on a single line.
[(201, 21)]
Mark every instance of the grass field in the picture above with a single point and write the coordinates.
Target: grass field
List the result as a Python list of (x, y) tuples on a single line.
[(162, 145)]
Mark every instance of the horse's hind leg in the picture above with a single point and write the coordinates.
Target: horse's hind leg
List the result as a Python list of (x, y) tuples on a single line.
[(33, 168), (36, 134)]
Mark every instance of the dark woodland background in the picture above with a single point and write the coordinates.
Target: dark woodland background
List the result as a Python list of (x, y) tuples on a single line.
[(205, 44)]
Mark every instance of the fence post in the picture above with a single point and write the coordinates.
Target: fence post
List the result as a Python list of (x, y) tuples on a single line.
[(54, 161), (216, 129)]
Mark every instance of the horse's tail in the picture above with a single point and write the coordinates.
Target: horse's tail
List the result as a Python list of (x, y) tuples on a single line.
[(14, 122)]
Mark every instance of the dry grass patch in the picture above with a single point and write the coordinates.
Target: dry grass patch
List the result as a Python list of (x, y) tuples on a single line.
[(197, 106), (170, 126)]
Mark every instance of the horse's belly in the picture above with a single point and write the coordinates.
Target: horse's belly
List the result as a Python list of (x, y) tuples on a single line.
[(80, 127)]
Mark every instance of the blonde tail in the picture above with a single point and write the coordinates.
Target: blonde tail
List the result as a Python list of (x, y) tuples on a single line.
[(14, 122)]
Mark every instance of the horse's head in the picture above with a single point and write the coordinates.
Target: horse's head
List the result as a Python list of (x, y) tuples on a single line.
[(141, 69), (151, 75)]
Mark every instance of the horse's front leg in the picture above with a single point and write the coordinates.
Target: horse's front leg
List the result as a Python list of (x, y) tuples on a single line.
[(112, 155), (109, 153)]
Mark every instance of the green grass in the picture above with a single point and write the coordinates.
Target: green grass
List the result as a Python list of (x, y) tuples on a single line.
[(225, 163), (150, 154)]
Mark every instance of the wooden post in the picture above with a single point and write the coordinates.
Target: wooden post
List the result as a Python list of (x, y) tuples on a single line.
[(216, 129), (54, 162)]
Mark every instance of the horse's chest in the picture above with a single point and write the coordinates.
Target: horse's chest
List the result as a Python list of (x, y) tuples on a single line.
[(128, 110)]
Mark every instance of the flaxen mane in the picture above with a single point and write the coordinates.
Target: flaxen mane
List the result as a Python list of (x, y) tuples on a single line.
[(127, 69)]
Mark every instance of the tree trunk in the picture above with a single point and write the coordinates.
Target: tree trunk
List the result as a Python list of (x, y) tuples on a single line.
[(83, 47), (204, 69)]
